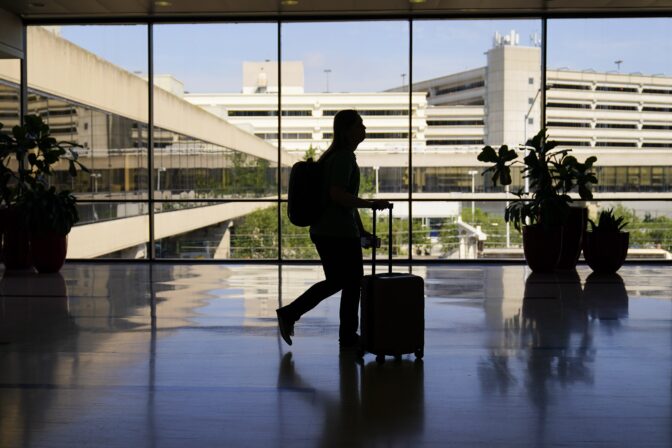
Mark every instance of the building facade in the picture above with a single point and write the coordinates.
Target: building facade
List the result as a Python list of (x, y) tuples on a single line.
[(624, 119)]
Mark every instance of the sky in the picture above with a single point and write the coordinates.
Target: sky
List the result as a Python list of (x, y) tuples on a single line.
[(371, 56)]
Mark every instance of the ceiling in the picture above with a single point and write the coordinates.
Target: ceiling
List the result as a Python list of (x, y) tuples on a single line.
[(55, 10)]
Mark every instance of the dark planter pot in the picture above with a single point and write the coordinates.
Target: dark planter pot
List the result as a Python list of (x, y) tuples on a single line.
[(572, 237), (605, 252), (542, 247), (48, 251), (16, 239)]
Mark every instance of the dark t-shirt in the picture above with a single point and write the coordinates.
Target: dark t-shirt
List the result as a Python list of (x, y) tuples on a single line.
[(339, 169)]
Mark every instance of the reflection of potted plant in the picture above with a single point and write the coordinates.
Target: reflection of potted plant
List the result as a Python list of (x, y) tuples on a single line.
[(544, 214), (606, 246), (28, 158), (606, 298)]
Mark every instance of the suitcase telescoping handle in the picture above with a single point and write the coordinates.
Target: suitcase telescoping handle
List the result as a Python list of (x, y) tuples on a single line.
[(389, 242)]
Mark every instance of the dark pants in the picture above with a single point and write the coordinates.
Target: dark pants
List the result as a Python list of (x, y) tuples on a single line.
[(342, 263)]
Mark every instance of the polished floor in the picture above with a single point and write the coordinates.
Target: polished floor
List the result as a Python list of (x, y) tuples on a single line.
[(133, 355)]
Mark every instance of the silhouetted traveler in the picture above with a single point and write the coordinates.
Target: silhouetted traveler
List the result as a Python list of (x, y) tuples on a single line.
[(337, 233)]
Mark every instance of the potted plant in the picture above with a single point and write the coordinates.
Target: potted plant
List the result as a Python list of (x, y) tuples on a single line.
[(28, 157), (6, 177), (551, 230), (50, 216), (15, 237), (605, 247)]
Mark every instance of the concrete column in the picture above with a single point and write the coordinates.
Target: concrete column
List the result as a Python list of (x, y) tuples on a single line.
[(513, 79), (223, 250), (135, 252), (11, 36)]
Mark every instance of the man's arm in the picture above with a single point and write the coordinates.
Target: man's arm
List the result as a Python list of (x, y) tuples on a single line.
[(340, 195)]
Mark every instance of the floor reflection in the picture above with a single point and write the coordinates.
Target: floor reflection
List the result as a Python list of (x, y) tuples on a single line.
[(549, 345), (34, 310), (43, 305), (606, 298), (376, 405), (185, 355), (555, 333)]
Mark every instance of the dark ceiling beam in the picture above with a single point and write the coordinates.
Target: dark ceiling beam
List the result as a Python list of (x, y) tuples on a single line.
[(306, 17)]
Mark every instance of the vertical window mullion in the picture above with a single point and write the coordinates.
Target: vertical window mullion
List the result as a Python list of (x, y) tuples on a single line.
[(23, 88), (150, 137), (410, 139), (544, 35), (279, 162)]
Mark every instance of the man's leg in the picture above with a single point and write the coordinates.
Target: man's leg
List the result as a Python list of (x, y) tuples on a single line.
[(310, 299), (352, 273), (328, 249)]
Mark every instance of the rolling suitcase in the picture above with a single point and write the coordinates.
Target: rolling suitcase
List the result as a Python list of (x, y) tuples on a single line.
[(392, 310)]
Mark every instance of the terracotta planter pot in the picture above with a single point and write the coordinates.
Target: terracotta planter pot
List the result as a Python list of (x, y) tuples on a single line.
[(542, 247), (572, 237), (48, 251), (16, 238), (605, 252)]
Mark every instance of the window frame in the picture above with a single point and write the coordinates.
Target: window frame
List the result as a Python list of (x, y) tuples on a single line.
[(278, 22)]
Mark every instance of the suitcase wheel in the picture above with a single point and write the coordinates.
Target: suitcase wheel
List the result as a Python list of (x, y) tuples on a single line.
[(419, 353), (380, 359)]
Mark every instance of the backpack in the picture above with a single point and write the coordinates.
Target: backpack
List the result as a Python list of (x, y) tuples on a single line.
[(305, 202)]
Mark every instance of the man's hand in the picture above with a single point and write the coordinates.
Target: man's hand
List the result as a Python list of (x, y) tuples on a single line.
[(368, 239), (380, 204)]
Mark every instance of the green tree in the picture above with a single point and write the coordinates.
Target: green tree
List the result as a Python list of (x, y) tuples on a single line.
[(448, 237), (421, 239), (493, 225), (206, 183), (311, 153), (255, 236), (367, 182), (248, 175), (649, 232), (399, 233)]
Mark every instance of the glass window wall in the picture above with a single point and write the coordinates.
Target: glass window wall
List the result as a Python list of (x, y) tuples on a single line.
[(620, 70), (225, 133), (96, 99), (329, 67), (10, 105)]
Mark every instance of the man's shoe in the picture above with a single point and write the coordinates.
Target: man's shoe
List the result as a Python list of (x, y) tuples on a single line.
[(286, 327)]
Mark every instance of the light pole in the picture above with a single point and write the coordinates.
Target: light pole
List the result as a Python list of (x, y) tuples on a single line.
[(95, 177), (508, 224), (327, 71), (473, 174), (403, 81)]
